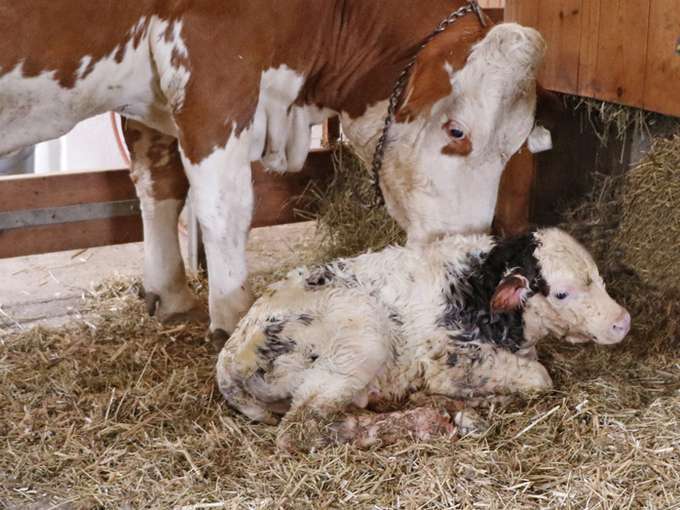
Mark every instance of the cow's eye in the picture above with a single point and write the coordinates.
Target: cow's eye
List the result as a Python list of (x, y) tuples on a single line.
[(562, 295), (455, 130), (456, 133)]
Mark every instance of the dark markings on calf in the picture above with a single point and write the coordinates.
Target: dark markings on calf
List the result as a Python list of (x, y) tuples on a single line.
[(396, 318), (452, 359), (467, 312), (330, 274), (275, 343), (320, 276), (305, 319)]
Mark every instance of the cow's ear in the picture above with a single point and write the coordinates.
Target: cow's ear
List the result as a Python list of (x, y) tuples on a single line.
[(510, 294), (430, 78)]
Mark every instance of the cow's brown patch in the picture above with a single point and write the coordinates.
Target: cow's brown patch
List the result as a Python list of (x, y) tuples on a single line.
[(55, 35), (430, 80), (350, 52), (157, 154), (461, 147)]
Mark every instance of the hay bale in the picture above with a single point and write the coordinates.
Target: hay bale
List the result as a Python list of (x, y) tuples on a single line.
[(649, 233), (631, 225)]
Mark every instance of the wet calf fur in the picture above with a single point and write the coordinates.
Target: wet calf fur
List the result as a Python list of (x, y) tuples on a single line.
[(457, 318)]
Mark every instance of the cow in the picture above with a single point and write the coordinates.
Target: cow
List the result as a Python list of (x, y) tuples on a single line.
[(209, 86), (459, 318)]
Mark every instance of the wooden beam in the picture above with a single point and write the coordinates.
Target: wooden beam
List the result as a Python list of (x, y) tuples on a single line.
[(67, 188), (496, 15), (662, 77), (70, 236), (614, 50), (277, 199)]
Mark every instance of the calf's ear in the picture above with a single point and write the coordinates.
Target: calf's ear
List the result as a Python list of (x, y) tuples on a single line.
[(510, 294)]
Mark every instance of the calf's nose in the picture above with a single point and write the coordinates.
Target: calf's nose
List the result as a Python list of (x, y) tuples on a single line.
[(622, 325)]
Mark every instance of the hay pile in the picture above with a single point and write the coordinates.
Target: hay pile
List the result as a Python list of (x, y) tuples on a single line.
[(346, 225), (649, 234), (123, 413)]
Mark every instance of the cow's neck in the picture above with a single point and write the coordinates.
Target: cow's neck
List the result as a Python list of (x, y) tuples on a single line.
[(371, 44)]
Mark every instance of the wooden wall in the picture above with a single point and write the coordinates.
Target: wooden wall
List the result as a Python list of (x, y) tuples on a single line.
[(623, 51), (492, 4)]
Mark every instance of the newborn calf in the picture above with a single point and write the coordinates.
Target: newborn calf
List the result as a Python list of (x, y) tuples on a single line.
[(458, 318)]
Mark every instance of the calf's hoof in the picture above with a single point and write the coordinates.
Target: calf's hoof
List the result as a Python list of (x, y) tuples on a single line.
[(469, 423)]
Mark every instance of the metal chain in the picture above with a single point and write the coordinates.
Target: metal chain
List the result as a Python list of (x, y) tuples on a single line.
[(398, 91)]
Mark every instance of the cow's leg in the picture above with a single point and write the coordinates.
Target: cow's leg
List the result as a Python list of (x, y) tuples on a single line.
[(222, 196), (157, 172)]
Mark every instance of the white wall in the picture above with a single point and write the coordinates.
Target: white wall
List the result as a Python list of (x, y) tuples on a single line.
[(91, 145)]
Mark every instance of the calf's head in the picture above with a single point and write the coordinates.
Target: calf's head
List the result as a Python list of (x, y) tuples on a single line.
[(468, 107), (555, 281)]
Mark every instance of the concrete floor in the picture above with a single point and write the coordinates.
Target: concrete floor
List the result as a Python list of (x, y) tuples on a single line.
[(50, 289)]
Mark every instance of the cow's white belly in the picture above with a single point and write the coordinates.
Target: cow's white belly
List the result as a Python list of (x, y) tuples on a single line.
[(34, 109)]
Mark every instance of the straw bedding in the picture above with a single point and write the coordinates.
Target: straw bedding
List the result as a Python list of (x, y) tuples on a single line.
[(122, 412)]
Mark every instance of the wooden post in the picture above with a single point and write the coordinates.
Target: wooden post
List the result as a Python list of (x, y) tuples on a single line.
[(331, 132)]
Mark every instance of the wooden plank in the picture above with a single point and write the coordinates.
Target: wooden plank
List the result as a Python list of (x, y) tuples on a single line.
[(524, 12), (491, 4), (70, 236), (275, 203), (496, 15), (662, 87), (277, 196), (614, 50), (560, 23), (69, 188)]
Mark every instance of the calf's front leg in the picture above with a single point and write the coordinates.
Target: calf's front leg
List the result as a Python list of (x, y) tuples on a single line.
[(471, 370)]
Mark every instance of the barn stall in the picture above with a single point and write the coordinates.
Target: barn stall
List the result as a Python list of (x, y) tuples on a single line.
[(116, 410)]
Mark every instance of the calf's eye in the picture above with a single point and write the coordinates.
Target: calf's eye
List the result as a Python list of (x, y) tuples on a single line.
[(562, 295)]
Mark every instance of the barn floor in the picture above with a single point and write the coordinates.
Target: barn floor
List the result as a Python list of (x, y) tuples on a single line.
[(119, 411), (49, 290)]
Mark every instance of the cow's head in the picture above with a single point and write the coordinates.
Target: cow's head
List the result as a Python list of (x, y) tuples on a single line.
[(555, 281), (463, 114)]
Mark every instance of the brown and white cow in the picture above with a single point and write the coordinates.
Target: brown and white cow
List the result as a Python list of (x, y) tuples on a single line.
[(208, 86), (457, 318)]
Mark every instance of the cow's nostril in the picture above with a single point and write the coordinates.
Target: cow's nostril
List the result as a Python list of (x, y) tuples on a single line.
[(622, 326)]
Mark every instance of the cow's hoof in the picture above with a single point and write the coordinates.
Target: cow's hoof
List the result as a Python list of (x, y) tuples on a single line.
[(218, 339), (152, 302), (174, 308), (197, 314)]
